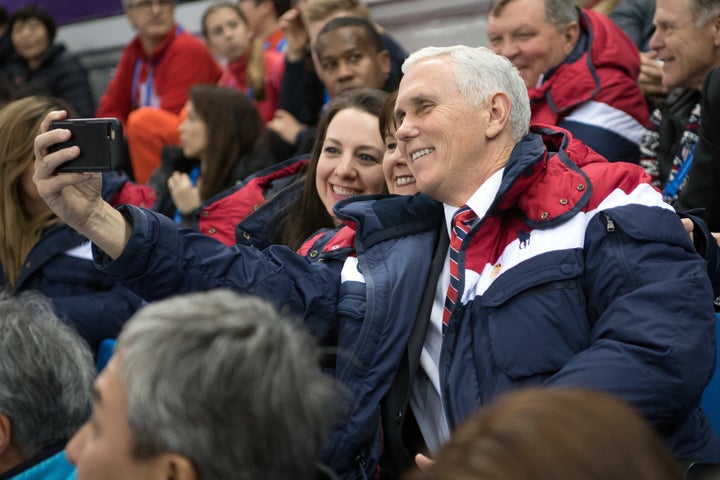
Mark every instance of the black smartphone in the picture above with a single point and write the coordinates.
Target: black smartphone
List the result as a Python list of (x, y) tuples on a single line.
[(100, 141)]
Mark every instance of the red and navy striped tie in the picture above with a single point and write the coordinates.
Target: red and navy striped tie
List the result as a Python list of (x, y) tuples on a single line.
[(461, 222)]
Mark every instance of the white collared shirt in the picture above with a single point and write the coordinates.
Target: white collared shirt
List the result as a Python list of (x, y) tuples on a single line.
[(425, 395)]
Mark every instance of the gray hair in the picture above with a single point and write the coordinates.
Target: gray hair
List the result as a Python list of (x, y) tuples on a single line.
[(703, 11), (46, 373), (557, 12), (227, 382), (478, 72)]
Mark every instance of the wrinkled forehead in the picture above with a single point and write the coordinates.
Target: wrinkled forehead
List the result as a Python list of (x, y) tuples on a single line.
[(426, 76)]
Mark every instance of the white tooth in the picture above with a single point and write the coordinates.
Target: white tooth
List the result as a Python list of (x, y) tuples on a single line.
[(421, 153), (400, 181), (343, 191)]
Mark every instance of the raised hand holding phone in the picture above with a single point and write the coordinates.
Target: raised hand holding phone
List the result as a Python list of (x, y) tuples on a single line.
[(76, 197), (99, 139)]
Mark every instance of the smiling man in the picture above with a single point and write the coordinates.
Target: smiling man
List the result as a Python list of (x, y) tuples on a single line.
[(687, 41), (350, 55), (527, 259), (579, 68)]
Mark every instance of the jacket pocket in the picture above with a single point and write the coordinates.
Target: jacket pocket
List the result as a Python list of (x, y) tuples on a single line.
[(536, 317)]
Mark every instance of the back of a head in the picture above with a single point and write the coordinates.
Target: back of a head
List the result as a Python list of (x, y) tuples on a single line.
[(554, 434), (46, 373), (227, 382), (479, 72)]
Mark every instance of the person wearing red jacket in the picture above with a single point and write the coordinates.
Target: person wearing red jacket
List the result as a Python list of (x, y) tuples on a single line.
[(156, 69), (580, 70)]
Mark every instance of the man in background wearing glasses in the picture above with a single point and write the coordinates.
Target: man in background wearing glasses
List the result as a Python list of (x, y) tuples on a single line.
[(157, 67)]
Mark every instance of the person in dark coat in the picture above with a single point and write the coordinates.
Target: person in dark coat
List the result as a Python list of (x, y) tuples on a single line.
[(41, 66)]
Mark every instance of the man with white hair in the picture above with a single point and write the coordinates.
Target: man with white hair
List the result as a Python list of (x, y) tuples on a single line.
[(46, 375), (560, 269)]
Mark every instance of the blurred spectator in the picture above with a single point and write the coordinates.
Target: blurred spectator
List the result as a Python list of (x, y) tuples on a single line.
[(303, 94), (255, 72), (5, 92), (263, 17), (224, 133), (156, 70), (208, 386), (251, 69), (46, 378), (38, 251), (600, 6), (6, 49), (702, 187), (579, 68), (553, 434), (350, 55), (688, 43), (635, 18), (41, 66)]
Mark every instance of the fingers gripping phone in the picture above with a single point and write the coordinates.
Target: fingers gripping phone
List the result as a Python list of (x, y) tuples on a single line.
[(99, 139)]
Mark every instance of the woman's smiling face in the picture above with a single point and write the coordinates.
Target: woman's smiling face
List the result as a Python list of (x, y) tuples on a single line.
[(351, 159)]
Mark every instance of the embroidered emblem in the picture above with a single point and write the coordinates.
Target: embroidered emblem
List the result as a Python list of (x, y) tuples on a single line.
[(524, 238), (496, 271)]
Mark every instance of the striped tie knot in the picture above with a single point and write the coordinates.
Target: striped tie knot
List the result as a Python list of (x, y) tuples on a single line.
[(460, 226)]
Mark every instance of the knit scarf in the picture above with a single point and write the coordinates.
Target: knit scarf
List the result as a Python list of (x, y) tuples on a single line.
[(651, 145)]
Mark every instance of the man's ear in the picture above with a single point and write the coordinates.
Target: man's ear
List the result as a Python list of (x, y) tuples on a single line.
[(5, 433), (571, 35), (497, 114), (716, 30), (178, 467)]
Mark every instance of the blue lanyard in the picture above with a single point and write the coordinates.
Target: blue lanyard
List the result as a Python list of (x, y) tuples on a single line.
[(150, 77), (672, 187), (194, 175)]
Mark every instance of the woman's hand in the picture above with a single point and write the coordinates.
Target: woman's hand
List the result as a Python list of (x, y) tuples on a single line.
[(186, 197)]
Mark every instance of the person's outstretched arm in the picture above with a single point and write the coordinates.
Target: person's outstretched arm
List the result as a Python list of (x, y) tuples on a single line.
[(76, 197)]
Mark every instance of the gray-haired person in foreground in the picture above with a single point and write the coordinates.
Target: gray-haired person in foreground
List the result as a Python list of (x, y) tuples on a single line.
[(46, 374), (207, 386)]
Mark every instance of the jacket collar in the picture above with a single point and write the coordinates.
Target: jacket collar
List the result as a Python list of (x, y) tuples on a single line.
[(542, 181)]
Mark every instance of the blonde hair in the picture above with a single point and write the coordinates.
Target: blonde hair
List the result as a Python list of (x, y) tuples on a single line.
[(256, 59), (19, 230)]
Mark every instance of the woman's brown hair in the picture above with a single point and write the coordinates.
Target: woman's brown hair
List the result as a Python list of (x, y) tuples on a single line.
[(308, 215), (388, 123), (20, 229), (233, 128)]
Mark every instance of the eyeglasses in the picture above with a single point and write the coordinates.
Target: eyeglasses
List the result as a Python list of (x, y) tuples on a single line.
[(148, 4)]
